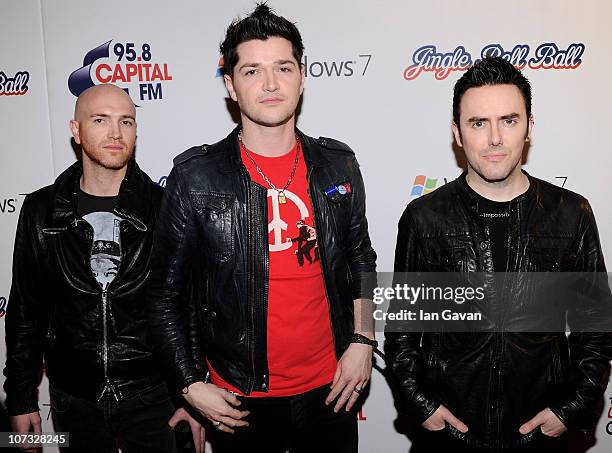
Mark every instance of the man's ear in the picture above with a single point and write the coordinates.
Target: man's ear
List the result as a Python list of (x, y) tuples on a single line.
[(529, 128), (74, 129), (457, 134), (229, 85), (303, 74)]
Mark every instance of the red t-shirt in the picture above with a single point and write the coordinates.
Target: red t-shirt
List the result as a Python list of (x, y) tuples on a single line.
[(301, 352)]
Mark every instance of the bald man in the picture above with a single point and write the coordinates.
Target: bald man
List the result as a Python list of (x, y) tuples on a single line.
[(77, 299)]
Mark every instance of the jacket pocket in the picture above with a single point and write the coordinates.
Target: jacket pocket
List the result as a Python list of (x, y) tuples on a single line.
[(549, 254), (216, 219), (154, 396), (446, 259), (60, 401)]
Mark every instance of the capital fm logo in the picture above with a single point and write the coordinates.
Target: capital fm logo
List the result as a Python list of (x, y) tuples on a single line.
[(132, 66), (162, 181), (3, 303), (16, 85), (547, 56)]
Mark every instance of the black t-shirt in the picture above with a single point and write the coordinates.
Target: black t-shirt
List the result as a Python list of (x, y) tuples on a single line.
[(496, 216), (87, 203), (106, 249)]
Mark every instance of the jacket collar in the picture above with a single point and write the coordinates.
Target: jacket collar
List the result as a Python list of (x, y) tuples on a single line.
[(468, 195), (131, 204), (313, 155)]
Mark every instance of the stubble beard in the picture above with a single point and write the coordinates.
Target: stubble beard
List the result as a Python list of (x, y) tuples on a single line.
[(260, 118), (503, 177), (109, 163)]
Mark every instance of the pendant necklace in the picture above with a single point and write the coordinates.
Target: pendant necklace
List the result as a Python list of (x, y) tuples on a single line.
[(282, 198)]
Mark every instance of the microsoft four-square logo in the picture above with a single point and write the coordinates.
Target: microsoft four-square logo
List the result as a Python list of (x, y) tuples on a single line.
[(423, 185)]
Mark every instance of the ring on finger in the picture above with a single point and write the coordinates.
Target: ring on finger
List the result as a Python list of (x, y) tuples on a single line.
[(357, 390)]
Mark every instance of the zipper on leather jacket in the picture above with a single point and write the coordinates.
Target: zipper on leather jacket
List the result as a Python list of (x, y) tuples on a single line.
[(251, 287), (251, 326), (253, 379), (316, 214), (108, 384)]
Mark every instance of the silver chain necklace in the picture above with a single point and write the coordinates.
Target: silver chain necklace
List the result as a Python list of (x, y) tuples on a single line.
[(282, 198)]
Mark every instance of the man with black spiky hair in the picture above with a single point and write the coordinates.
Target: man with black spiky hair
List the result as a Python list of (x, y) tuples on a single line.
[(286, 352)]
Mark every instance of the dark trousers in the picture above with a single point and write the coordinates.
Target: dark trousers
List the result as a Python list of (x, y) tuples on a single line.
[(137, 424), (300, 424), (443, 441)]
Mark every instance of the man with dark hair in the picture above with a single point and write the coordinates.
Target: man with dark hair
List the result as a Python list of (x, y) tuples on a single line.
[(276, 333), (77, 301), (498, 391), (494, 72)]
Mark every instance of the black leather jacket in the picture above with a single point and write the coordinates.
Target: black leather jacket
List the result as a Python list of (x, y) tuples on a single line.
[(495, 382), (57, 311), (214, 225)]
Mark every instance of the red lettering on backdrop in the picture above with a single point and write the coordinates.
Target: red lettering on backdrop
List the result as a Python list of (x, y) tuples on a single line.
[(131, 70), (105, 67), (146, 67), (118, 74), (143, 72), (166, 75), (157, 75)]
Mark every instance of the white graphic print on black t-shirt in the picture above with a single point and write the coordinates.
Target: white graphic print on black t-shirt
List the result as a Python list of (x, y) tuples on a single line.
[(106, 250)]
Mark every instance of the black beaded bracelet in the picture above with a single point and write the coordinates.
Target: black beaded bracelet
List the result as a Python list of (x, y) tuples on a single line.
[(362, 339)]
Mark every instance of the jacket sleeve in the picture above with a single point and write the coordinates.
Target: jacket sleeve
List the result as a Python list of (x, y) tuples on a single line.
[(25, 319), (194, 297), (404, 356), (590, 340), (361, 255), (171, 318)]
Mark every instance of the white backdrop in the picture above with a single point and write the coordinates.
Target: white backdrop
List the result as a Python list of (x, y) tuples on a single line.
[(357, 90)]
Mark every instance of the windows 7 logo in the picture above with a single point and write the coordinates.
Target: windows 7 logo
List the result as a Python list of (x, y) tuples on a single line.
[(219, 72), (423, 185)]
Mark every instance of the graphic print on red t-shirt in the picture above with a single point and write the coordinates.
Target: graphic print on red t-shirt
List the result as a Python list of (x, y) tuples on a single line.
[(300, 345), (307, 247)]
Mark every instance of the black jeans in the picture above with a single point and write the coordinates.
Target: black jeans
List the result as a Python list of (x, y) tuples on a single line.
[(300, 424), (443, 441), (138, 424)]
